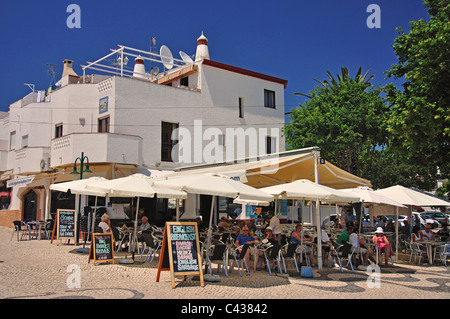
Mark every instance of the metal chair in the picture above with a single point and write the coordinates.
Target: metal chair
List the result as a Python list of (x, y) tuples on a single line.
[(18, 229), (218, 254), (290, 253), (241, 257), (444, 253), (416, 251), (344, 251), (152, 244), (378, 255), (274, 254)]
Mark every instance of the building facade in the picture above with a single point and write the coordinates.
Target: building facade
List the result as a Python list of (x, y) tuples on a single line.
[(123, 121)]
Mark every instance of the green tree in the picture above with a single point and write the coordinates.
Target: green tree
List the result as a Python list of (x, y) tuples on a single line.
[(345, 118), (420, 113)]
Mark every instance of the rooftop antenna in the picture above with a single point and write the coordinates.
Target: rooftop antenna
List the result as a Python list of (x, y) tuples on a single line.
[(51, 72), (152, 43)]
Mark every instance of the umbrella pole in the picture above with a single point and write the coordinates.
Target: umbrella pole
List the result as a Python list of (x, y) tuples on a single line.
[(396, 233), (178, 210), (208, 240), (319, 235), (93, 221), (135, 227)]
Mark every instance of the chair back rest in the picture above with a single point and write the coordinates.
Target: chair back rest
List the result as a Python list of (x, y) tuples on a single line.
[(346, 249), (148, 238), (17, 224), (291, 250), (218, 252), (447, 249), (225, 237), (115, 232), (274, 251), (415, 247)]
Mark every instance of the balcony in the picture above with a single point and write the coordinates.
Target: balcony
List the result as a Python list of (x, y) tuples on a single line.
[(30, 159), (99, 147)]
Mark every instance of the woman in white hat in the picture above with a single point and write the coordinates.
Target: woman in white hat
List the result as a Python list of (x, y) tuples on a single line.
[(383, 244)]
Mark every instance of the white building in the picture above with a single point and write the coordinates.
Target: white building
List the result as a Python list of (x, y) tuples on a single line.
[(124, 120)]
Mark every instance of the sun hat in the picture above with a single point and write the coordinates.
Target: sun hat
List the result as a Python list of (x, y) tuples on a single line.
[(379, 230), (269, 228)]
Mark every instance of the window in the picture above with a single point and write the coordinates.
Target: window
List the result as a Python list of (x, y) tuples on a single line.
[(241, 107), (12, 140), (58, 130), (25, 141), (167, 143), (269, 99), (184, 81), (103, 125), (270, 144)]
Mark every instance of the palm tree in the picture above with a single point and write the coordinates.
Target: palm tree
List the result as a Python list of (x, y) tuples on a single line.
[(344, 77)]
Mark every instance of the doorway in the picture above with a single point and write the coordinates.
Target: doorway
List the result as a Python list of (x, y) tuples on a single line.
[(30, 205)]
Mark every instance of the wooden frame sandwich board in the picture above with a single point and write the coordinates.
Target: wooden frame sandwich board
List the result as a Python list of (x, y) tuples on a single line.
[(102, 248), (66, 225), (180, 251)]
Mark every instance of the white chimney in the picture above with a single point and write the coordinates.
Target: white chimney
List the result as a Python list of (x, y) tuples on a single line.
[(202, 48), (139, 68), (68, 68)]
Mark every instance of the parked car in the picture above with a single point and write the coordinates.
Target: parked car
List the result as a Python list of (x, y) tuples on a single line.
[(423, 219), (440, 217)]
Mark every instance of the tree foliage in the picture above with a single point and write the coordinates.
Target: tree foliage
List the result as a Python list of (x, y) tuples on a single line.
[(345, 118), (420, 113)]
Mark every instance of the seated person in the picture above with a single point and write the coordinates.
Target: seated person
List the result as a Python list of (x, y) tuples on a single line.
[(296, 238), (245, 239), (224, 223), (105, 223), (380, 239), (145, 224), (427, 234), (270, 236), (356, 242), (443, 233)]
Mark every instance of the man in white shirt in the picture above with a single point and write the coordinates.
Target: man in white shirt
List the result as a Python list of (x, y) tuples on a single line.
[(355, 241), (275, 225)]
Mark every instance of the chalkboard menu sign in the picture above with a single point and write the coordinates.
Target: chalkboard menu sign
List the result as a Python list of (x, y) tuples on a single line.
[(180, 251), (67, 224), (102, 248)]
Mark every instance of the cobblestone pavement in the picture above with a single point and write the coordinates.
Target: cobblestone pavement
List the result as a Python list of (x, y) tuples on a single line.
[(33, 269)]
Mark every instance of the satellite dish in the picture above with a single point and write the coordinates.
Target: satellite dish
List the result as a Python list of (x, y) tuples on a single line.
[(154, 71), (166, 57), (186, 58)]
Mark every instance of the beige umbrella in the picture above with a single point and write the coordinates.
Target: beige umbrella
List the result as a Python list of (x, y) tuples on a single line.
[(369, 196), (136, 185), (307, 190), (214, 185), (79, 187)]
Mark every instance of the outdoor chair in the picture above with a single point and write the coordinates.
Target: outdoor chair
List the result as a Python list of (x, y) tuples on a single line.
[(152, 244), (18, 229), (344, 251), (218, 254), (444, 253), (379, 253), (416, 251), (116, 236), (49, 228), (240, 257), (273, 253), (290, 253)]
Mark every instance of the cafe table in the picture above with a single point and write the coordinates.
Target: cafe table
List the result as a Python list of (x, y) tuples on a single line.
[(429, 244)]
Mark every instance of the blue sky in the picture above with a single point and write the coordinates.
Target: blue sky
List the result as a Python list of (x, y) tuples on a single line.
[(294, 40)]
